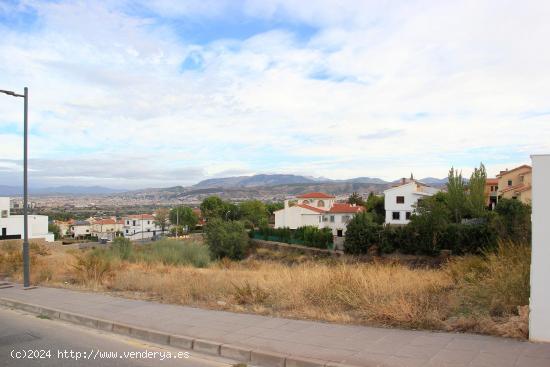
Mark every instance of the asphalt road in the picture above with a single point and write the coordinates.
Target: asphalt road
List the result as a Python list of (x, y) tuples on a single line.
[(56, 343)]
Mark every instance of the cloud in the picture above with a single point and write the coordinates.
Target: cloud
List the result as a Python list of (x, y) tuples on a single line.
[(341, 89)]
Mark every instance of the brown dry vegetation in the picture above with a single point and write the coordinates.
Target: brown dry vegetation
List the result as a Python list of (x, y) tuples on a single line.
[(479, 294)]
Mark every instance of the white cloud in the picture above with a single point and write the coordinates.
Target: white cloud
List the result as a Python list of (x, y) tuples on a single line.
[(460, 82)]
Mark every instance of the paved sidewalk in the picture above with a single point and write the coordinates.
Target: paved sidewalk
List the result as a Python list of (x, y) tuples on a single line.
[(352, 345)]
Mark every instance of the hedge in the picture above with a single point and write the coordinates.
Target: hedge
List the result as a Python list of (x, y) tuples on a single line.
[(459, 238), (307, 235)]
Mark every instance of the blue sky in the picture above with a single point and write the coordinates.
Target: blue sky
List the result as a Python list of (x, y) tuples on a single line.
[(142, 93)]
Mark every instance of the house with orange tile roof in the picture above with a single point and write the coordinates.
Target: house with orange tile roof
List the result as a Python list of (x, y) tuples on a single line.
[(515, 184), (316, 209)]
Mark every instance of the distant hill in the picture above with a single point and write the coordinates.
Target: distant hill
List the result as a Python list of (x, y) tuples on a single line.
[(253, 181), (432, 181), (276, 180), (58, 190)]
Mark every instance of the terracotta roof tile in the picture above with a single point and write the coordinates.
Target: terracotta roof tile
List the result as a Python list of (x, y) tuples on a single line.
[(345, 208), (312, 208)]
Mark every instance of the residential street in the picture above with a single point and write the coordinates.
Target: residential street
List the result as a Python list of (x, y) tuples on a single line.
[(21, 333)]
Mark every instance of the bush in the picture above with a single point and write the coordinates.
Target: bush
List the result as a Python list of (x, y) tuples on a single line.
[(468, 239), (122, 248), (173, 252), (306, 235), (362, 232), (227, 239), (513, 220), (93, 266), (497, 283)]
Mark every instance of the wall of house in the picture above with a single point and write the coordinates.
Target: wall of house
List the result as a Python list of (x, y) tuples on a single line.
[(325, 204), (137, 226), (38, 226), (539, 316), (81, 231), (391, 205), (411, 194), (338, 224), (290, 217)]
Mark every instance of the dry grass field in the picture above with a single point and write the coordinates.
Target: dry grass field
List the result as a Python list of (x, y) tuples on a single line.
[(477, 294)]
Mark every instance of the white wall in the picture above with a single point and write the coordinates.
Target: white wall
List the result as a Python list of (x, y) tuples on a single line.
[(411, 194), (38, 226), (539, 317)]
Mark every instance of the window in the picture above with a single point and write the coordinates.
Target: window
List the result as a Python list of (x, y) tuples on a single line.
[(332, 218), (148, 222), (134, 223), (321, 204), (320, 219), (396, 215), (325, 219), (305, 202), (408, 215), (509, 182), (4, 213), (521, 178), (345, 218), (400, 199), (340, 233), (128, 222)]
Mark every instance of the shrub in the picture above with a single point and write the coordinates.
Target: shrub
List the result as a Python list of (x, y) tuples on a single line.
[(362, 232), (93, 266), (227, 239), (313, 236), (122, 247), (173, 252), (513, 220), (468, 239), (497, 283)]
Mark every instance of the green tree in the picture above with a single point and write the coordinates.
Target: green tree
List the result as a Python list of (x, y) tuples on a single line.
[(214, 207), (429, 222), (476, 195), (227, 239), (356, 199), (184, 216), (457, 196), (375, 205), (273, 207), (54, 228), (162, 215), (361, 233), (254, 211)]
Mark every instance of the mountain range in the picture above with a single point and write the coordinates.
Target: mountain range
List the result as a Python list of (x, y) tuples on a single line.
[(282, 181)]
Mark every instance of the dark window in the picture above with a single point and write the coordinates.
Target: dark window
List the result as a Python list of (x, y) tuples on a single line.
[(400, 200), (408, 215), (339, 233), (332, 218), (396, 215), (509, 182)]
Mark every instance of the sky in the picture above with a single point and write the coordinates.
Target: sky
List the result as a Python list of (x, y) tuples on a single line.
[(133, 94)]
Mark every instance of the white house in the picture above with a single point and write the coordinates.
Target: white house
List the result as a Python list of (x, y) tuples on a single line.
[(12, 225), (316, 209), (140, 226), (400, 201), (81, 229)]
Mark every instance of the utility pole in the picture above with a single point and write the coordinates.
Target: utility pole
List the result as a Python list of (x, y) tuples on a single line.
[(26, 264)]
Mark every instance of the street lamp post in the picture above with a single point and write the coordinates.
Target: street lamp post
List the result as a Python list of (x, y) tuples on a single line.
[(26, 262)]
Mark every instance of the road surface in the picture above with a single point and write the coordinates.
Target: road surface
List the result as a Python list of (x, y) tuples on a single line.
[(56, 343)]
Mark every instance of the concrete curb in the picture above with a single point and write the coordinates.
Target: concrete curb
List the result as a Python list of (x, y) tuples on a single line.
[(257, 357)]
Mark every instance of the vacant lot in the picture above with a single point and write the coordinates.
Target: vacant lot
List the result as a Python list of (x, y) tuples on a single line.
[(481, 294)]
